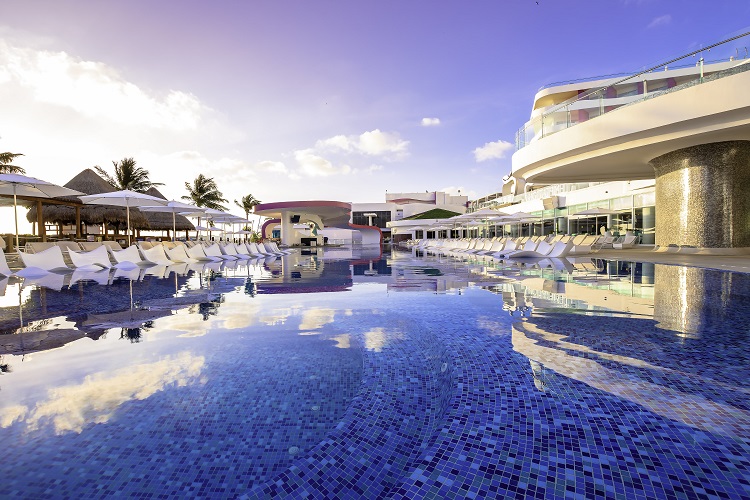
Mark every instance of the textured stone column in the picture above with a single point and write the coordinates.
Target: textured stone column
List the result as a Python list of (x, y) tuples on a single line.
[(702, 196), (697, 302)]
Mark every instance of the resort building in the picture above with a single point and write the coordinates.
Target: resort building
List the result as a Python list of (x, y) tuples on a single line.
[(666, 151), (400, 206)]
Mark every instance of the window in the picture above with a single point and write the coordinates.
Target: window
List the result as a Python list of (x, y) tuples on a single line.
[(380, 219)]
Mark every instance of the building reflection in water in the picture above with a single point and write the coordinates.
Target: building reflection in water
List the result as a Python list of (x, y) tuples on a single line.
[(686, 361)]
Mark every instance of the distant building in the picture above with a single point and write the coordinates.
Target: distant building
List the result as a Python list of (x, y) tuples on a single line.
[(398, 206)]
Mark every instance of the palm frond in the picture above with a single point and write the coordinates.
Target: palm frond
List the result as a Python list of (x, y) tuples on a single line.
[(5, 164)]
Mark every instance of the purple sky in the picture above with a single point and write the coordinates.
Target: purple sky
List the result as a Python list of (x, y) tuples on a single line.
[(313, 99)]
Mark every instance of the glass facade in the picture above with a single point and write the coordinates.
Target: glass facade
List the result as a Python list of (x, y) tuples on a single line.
[(381, 218)]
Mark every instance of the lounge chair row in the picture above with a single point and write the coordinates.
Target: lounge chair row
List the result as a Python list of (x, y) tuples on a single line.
[(526, 247), (504, 248), (52, 258)]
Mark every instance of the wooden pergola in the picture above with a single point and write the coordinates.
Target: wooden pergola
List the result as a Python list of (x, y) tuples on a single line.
[(40, 214)]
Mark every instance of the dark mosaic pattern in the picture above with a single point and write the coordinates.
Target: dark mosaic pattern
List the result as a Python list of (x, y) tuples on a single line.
[(447, 392), (701, 195)]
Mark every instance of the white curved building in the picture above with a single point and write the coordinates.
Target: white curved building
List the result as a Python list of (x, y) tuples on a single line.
[(667, 148)]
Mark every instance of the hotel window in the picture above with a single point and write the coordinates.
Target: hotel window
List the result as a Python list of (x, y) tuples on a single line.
[(380, 219)]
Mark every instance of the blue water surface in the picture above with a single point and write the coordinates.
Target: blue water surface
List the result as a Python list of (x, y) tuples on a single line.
[(354, 374)]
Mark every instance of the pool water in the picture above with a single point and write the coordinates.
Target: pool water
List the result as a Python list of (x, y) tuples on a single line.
[(343, 374)]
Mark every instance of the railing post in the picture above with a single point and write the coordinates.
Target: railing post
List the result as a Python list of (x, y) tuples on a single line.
[(542, 131)]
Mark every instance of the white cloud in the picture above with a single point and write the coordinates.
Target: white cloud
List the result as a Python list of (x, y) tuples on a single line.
[(316, 318), (377, 143), (660, 21), (337, 142), (97, 397), (388, 145), (492, 150), (95, 90), (315, 161), (430, 122), (271, 166), (313, 165)]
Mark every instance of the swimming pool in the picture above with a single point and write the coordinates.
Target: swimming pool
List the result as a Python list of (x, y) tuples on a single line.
[(343, 375)]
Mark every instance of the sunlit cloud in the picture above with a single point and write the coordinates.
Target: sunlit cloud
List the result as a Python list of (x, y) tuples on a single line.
[(96, 90), (378, 338), (95, 400), (660, 21), (388, 145), (313, 165), (316, 318), (492, 150), (430, 122)]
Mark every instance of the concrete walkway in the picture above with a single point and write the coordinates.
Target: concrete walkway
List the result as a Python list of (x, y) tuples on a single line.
[(737, 263)]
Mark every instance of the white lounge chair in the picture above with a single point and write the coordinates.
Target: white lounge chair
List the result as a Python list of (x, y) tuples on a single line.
[(112, 245), (269, 248), (629, 241), (197, 252), (4, 269), (67, 246), (93, 260), (276, 247), (530, 246), (545, 250), (47, 260), (179, 254), (583, 244), (257, 250), (215, 251), (87, 246), (38, 246), (128, 258), (230, 252), (156, 255)]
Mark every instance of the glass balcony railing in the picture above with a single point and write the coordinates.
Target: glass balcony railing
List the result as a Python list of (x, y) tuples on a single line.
[(631, 89)]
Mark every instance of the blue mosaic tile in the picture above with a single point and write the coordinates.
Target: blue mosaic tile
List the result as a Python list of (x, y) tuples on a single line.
[(413, 377)]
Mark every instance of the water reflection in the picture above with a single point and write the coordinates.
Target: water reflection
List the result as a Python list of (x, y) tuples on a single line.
[(95, 399), (700, 384)]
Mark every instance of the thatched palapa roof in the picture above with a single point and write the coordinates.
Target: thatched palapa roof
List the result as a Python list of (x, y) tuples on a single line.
[(89, 182)]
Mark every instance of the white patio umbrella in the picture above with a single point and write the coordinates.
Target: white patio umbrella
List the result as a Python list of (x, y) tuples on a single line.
[(21, 185), (175, 207), (125, 198), (208, 213)]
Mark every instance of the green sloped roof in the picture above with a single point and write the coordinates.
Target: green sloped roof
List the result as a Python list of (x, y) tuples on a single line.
[(435, 213)]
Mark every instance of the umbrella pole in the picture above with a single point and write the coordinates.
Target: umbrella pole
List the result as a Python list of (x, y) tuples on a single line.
[(127, 212), (15, 214), (174, 226)]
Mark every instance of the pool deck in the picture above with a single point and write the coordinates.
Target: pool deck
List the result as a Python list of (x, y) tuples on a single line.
[(736, 263)]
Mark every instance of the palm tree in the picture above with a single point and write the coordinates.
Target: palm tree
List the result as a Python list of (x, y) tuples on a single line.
[(247, 204), (204, 193), (128, 176), (5, 164)]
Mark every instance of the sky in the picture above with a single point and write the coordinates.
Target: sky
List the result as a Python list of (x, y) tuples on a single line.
[(313, 99)]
